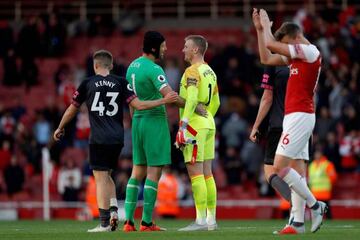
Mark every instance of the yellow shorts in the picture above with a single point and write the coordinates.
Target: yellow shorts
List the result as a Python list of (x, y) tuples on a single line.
[(205, 140)]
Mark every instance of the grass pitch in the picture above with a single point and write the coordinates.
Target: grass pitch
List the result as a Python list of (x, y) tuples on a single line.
[(255, 229)]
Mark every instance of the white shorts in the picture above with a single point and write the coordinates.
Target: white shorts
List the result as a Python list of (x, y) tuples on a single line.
[(297, 130)]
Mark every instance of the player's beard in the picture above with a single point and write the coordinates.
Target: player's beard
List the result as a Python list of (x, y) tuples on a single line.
[(187, 58)]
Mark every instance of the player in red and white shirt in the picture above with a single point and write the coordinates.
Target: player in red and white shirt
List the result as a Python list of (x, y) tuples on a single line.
[(304, 61)]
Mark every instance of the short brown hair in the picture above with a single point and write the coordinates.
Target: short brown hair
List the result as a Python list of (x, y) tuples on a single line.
[(287, 28), (103, 58), (199, 41)]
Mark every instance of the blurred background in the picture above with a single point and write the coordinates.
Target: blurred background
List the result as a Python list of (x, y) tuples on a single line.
[(46, 51)]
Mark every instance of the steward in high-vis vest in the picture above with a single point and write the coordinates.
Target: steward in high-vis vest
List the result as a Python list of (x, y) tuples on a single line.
[(167, 197), (322, 175)]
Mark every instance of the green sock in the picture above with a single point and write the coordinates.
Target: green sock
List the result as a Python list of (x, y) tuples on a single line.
[(132, 190), (199, 192), (211, 199), (150, 193)]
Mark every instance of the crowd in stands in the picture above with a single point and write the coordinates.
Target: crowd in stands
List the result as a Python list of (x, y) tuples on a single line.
[(238, 160)]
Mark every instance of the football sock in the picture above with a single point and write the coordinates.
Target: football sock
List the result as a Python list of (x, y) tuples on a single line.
[(211, 200), (298, 208), (113, 205), (294, 180), (280, 186), (104, 217), (132, 190), (315, 206), (150, 193), (200, 197)]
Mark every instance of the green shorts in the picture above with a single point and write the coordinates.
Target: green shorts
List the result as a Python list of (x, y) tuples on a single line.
[(151, 141), (205, 140)]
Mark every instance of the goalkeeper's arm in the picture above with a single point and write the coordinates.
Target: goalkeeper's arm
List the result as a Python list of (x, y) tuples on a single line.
[(191, 102), (190, 105), (214, 104)]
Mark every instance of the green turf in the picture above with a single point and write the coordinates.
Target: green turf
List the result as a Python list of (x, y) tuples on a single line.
[(256, 229)]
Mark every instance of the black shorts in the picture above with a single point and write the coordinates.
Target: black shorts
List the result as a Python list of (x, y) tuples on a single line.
[(273, 137), (104, 157)]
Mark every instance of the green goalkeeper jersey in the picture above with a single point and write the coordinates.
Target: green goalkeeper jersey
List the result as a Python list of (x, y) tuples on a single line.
[(199, 85), (146, 79)]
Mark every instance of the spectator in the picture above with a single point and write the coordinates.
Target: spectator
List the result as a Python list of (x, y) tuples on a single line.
[(121, 179), (11, 73), (234, 130), (18, 110), (172, 72), (29, 72), (28, 43), (347, 149), (69, 181), (323, 124), (331, 150), (232, 166), (2, 183), (55, 35), (167, 197), (42, 130), (322, 176), (5, 155), (119, 68), (14, 176), (252, 158), (127, 149), (7, 126), (7, 38), (82, 129)]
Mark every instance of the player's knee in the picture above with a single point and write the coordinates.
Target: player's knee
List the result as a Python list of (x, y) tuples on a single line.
[(299, 165), (195, 169), (268, 171), (154, 173), (277, 169), (207, 168), (100, 176), (138, 172)]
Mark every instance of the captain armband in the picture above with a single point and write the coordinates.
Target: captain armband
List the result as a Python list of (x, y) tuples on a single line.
[(191, 82)]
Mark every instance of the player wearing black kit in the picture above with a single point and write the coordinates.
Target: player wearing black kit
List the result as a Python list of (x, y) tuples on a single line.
[(105, 95), (272, 102)]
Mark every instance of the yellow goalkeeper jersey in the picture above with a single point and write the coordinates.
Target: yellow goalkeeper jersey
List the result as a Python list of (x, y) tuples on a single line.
[(199, 85)]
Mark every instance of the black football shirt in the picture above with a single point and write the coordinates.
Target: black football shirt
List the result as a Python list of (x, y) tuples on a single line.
[(104, 97), (275, 79)]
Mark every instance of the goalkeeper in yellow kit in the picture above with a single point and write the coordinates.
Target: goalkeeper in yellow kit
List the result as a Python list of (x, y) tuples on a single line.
[(196, 134)]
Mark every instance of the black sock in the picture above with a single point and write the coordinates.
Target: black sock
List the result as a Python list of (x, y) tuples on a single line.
[(281, 186), (104, 217), (146, 224), (129, 222), (113, 209), (297, 224), (316, 206)]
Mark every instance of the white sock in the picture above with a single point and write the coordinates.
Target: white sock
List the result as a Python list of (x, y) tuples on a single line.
[(298, 207), (291, 216), (210, 218), (293, 179), (113, 202), (200, 221)]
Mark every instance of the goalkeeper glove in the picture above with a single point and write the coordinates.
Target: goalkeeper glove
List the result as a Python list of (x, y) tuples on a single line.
[(180, 136)]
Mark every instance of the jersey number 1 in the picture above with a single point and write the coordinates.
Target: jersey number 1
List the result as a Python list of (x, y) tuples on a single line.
[(210, 89), (98, 106)]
